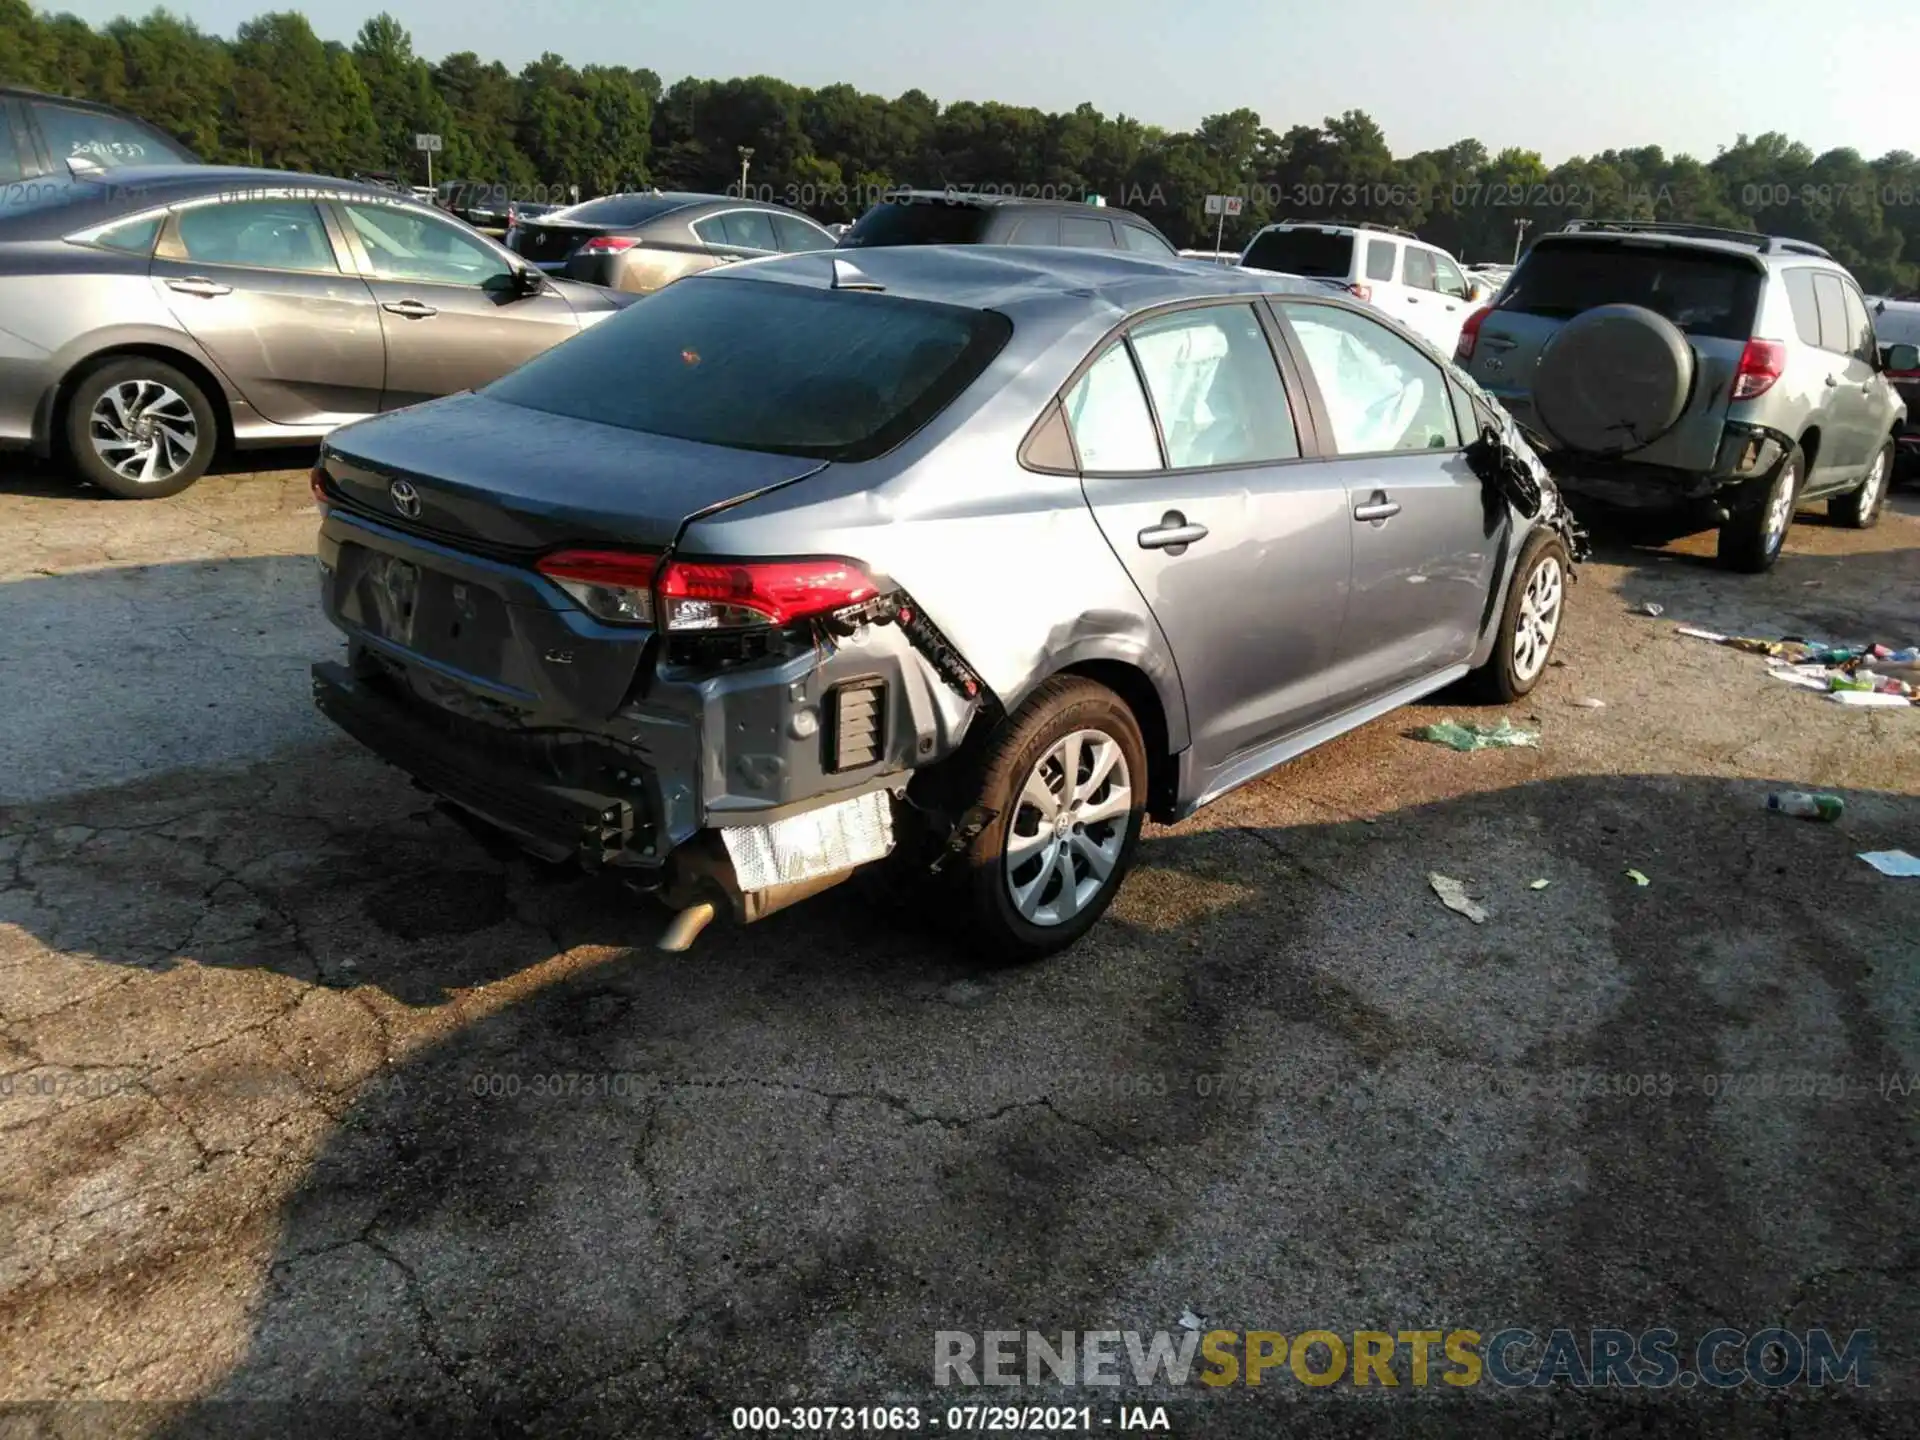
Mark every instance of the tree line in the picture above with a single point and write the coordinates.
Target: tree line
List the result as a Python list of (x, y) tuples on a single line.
[(277, 95)]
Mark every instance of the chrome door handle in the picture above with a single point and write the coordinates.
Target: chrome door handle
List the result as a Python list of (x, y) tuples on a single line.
[(412, 309), (199, 285), (1377, 509), (1173, 534)]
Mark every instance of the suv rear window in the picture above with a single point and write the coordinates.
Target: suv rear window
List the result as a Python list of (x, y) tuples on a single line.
[(1324, 254), (759, 365), (1703, 294), (919, 222)]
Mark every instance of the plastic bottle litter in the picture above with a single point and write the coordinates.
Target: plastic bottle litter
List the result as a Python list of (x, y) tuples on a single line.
[(1807, 804), (1651, 609), (1455, 736)]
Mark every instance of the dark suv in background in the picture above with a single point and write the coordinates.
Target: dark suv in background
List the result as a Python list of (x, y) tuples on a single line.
[(947, 217)]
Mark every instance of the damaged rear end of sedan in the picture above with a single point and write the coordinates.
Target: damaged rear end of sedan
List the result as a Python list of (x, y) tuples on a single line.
[(537, 633)]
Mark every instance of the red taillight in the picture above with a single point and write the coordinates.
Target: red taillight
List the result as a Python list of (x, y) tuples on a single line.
[(1470, 334), (725, 595), (1901, 374), (608, 244), (1360, 292), (317, 478), (1761, 363), (611, 585)]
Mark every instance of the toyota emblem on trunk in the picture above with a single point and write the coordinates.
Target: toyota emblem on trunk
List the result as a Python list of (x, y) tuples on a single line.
[(406, 499)]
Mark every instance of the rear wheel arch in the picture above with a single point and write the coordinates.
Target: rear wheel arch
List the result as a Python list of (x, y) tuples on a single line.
[(1810, 448), (211, 385), (1136, 688)]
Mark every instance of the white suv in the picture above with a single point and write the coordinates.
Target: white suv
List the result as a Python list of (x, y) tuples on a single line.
[(1417, 284)]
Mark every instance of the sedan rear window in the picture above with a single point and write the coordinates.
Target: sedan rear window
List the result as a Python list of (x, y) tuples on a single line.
[(620, 211), (1702, 294), (759, 365), (919, 222), (1324, 254)]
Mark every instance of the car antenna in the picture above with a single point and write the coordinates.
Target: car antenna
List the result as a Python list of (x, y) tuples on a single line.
[(847, 276)]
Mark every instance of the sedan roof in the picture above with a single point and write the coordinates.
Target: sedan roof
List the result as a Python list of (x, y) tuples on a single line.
[(1016, 278), (127, 190)]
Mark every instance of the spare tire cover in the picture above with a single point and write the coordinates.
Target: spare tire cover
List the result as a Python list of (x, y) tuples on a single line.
[(1613, 380)]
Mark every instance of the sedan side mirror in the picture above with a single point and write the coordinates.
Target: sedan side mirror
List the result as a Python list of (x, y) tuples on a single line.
[(1900, 359), (528, 281)]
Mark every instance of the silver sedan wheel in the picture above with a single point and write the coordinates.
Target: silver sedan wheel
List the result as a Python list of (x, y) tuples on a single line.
[(143, 431), (1780, 507), (1069, 825), (1539, 618)]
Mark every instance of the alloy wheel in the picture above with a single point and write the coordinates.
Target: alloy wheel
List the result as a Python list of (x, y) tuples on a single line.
[(1068, 828), (143, 431), (1539, 618)]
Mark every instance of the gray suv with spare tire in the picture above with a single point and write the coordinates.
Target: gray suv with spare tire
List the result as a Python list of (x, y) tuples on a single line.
[(1678, 366)]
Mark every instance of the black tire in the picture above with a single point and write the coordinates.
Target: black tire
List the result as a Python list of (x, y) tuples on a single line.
[(190, 416), (1748, 541), (1613, 380), (1859, 509), (1060, 708), (1516, 666)]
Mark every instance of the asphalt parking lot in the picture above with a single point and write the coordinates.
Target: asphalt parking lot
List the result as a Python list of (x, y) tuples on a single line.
[(309, 1103)]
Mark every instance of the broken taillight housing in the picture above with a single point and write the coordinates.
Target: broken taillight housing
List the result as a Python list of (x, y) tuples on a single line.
[(609, 244), (1761, 363), (737, 595), (611, 585)]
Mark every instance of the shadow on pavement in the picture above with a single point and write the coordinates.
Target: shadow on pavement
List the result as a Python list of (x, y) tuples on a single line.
[(27, 474), (1265, 1089)]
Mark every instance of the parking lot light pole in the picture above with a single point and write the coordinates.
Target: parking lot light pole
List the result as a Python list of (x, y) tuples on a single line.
[(746, 156), (1519, 234)]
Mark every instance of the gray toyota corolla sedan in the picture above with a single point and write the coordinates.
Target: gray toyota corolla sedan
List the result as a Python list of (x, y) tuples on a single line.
[(977, 557), (151, 315)]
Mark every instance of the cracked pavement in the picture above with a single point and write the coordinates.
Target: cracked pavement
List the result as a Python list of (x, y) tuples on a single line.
[(318, 1116)]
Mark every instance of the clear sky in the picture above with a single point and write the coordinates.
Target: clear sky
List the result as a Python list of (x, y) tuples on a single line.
[(1563, 77)]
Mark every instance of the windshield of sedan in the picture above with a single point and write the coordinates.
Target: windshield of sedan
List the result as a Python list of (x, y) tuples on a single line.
[(758, 365)]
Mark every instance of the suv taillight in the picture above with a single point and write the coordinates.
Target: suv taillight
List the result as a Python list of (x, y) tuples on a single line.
[(608, 244), (611, 585), (1761, 363), (1470, 335), (317, 478), (1360, 291), (737, 595)]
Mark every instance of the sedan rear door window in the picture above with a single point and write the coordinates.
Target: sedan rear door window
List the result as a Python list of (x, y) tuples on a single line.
[(749, 230), (1144, 241), (1107, 412), (1086, 232), (1215, 388), (1380, 392), (266, 234)]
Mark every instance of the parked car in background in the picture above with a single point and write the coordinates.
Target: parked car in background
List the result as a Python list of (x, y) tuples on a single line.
[(1415, 283), (1897, 322), (50, 141), (947, 217), (699, 595), (145, 325), (1679, 365), (643, 241), (1486, 280), (1218, 257)]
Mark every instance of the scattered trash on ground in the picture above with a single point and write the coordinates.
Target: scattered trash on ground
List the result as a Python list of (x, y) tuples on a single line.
[(1454, 896), (1861, 675), (1893, 862), (1191, 1321), (1637, 878), (1588, 702), (1650, 609), (1807, 804), (1539, 884), (1472, 736)]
